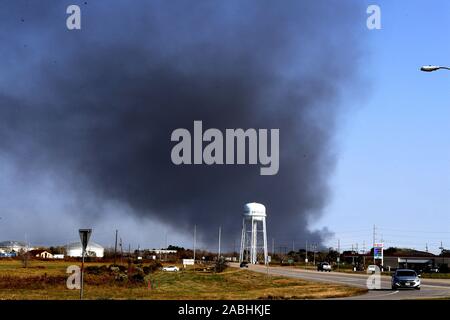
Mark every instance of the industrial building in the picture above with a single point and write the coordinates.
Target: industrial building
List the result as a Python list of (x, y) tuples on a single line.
[(92, 250), (415, 262), (13, 246), (419, 261)]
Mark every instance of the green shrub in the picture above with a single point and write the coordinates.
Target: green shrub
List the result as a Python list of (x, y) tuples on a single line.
[(138, 277), (96, 270), (152, 267), (220, 265)]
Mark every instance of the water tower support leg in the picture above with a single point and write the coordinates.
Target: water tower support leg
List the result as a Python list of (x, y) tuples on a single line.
[(265, 241), (241, 253)]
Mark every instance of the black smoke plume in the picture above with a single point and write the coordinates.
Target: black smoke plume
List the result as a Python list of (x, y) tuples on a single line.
[(97, 106)]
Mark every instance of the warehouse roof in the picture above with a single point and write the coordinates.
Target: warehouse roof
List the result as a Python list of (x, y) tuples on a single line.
[(77, 245)]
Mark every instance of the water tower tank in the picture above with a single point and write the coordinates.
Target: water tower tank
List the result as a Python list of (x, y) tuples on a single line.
[(255, 210)]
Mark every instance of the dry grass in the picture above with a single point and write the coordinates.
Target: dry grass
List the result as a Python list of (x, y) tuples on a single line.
[(46, 280)]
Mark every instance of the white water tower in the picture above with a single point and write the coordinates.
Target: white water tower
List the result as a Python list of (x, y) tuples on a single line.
[(254, 236)]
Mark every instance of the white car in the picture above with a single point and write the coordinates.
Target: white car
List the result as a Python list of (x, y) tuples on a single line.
[(171, 269), (324, 266), (372, 268)]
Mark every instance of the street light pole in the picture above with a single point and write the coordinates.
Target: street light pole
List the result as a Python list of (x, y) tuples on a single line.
[(85, 234), (433, 68), (83, 252)]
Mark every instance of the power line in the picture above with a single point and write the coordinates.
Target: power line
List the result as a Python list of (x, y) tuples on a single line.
[(414, 231)]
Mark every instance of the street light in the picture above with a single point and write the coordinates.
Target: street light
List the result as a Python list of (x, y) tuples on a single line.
[(433, 68)]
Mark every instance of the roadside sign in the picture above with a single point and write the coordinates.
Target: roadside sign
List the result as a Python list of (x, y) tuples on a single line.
[(290, 261), (306, 260), (188, 262), (85, 234), (378, 251), (338, 259), (378, 245)]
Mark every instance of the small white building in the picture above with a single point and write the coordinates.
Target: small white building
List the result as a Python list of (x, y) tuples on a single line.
[(92, 250), (41, 253), (163, 251)]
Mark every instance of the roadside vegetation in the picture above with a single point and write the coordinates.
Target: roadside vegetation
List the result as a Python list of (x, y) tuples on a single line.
[(47, 280)]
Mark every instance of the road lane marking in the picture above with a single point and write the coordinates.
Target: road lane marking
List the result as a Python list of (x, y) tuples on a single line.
[(355, 280)]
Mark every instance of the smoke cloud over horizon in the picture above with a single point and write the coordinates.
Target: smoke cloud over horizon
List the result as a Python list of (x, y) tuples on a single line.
[(93, 110)]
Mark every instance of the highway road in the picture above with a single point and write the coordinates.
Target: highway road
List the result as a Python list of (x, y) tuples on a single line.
[(430, 288)]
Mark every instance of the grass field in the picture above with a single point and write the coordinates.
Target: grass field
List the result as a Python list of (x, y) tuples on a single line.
[(436, 275), (47, 280)]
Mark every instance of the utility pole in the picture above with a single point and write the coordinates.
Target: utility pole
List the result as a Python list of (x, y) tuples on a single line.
[(273, 246), (364, 254), (306, 254), (426, 247), (165, 256), (195, 235), (373, 244), (314, 253), (293, 245), (353, 256), (220, 233), (357, 253), (339, 253), (121, 250), (115, 248), (166, 241)]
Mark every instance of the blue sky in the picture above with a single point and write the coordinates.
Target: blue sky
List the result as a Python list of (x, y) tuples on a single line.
[(392, 143), (394, 148)]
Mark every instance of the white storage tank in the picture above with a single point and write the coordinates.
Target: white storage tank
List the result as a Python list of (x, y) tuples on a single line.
[(255, 210)]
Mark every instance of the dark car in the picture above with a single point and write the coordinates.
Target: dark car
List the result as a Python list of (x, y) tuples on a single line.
[(405, 278), (243, 264), (431, 269)]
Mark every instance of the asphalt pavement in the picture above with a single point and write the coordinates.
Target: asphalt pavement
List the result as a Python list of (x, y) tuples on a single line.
[(430, 288)]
